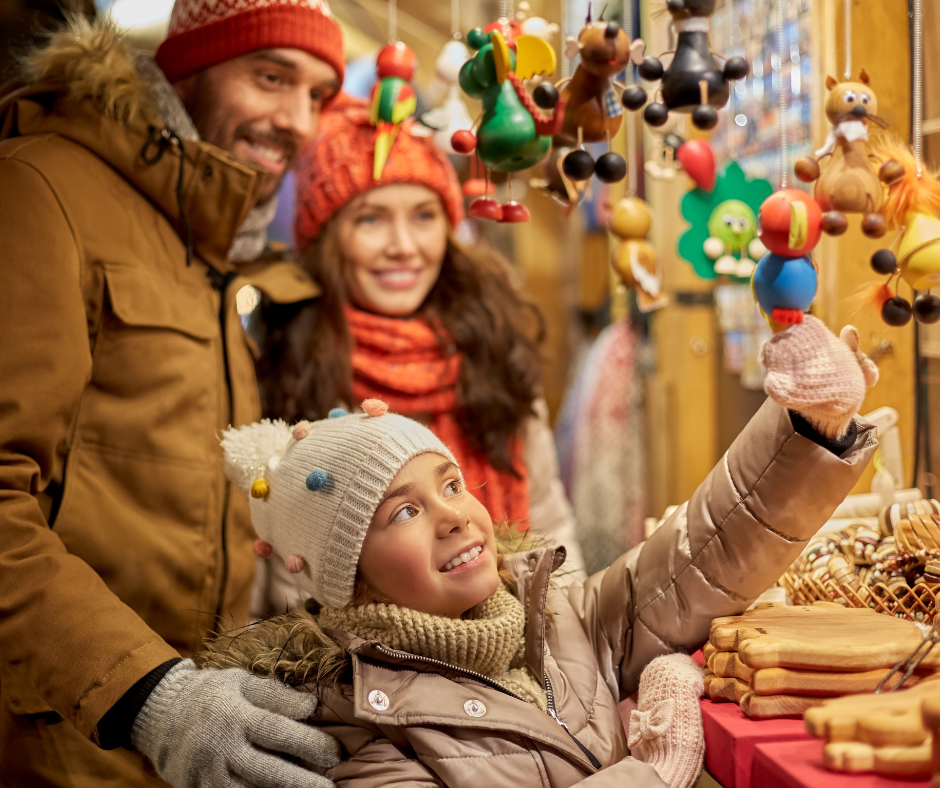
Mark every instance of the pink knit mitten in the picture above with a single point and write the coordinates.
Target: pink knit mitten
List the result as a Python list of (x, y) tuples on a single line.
[(821, 377), (666, 727)]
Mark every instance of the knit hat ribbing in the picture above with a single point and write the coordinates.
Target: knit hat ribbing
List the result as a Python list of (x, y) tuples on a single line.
[(203, 33), (338, 166), (322, 483)]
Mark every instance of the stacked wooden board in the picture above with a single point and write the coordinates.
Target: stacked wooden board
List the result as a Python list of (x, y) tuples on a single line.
[(780, 660)]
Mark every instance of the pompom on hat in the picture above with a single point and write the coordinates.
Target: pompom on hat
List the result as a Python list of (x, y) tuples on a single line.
[(339, 165), (314, 488), (203, 33)]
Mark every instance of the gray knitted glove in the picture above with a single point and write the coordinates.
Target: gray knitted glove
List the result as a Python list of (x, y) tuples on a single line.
[(216, 728)]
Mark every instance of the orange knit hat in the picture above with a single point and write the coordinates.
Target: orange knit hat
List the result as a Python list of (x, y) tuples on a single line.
[(338, 166), (203, 33)]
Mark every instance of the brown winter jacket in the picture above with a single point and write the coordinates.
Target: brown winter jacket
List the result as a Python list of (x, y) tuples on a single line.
[(120, 539), (745, 524)]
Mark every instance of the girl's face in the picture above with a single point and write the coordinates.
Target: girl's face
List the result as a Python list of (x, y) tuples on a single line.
[(427, 523), (393, 241)]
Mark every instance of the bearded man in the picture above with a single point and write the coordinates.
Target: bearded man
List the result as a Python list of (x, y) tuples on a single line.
[(136, 193)]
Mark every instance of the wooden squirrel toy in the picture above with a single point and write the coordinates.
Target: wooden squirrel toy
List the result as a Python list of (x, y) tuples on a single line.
[(695, 82), (849, 183)]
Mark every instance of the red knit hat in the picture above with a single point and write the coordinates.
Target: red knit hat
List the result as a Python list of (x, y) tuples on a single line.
[(203, 33), (338, 166)]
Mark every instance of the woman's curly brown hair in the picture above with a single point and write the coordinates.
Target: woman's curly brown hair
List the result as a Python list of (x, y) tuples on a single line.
[(306, 366)]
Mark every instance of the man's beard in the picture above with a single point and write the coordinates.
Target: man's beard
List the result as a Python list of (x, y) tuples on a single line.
[(209, 120)]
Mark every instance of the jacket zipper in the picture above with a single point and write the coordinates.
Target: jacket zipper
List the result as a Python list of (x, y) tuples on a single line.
[(551, 710), (220, 282), (549, 692)]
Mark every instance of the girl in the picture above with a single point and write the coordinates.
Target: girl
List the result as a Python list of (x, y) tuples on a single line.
[(440, 331), (440, 661)]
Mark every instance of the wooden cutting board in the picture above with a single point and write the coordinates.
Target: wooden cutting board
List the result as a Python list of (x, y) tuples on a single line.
[(727, 664), (791, 681), (818, 637), (891, 719), (766, 707), (852, 756), (721, 688)]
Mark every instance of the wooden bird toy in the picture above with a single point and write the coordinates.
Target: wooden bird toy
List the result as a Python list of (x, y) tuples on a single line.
[(634, 259), (913, 205), (785, 279), (695, 82), (849, 182), (513, 134), (393, 99), (593, 111)]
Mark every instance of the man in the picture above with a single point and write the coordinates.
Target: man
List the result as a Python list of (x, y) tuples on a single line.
[(134, 201)]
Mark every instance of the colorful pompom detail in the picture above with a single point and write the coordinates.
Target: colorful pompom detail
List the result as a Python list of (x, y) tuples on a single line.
[(301, 430), (262, 548), (374, 407), (259, 488), (317, 480), (294, 564), (337, 412)]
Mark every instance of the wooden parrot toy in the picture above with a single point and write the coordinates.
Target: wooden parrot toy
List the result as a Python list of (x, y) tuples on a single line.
[(393, 99), (784, 282), (513, 134), (695, 82), (849, 182), (634, 259)]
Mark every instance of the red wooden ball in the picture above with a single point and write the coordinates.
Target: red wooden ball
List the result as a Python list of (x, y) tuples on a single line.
[(463, 142), (790, 216), (396, 60)]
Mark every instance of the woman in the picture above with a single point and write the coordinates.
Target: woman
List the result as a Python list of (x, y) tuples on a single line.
[(439, 331)]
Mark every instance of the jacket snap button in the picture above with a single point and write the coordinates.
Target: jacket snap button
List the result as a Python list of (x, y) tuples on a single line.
[(474, 708), (378, 700)]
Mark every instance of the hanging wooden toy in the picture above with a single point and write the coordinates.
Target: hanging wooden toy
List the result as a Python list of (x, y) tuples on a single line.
[(634, 259), (913, 205), (695, 82), (393, 99), (532, 25), (513, 134), (452, 116), (593, 111), (785, 279), (848, 182)]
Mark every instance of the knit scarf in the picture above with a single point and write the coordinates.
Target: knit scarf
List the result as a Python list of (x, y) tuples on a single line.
[(492, 642), (402, 363)]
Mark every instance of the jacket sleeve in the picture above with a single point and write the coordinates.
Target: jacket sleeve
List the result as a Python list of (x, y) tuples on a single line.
[(745, 524), (380, 764), (550, 514), (66, 641)]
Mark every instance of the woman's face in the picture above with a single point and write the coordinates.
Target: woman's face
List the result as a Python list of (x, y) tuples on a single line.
[(393, 241), (426, 522)]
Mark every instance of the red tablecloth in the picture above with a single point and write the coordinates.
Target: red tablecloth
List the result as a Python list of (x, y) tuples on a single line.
[(731, 738), (798, 764)]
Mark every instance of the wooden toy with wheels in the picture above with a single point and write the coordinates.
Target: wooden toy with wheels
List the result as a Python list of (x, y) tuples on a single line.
[(513, 134), (849, 182), (695, 82)]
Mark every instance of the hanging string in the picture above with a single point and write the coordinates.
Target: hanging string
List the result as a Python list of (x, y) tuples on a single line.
[(504, 17), (781, 95), (565, 65), (392, 21), (628, 117), (455, 19), (847, 32), (917, 130)]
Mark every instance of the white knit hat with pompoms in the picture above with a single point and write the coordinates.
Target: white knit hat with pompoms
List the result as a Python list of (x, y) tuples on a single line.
[(315, 487)]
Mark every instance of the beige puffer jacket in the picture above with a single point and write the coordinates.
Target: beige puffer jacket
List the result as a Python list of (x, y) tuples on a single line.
[(437, 725)]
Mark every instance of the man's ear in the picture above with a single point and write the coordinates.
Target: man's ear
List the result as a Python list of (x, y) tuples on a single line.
[(864, 77), (831, 82)]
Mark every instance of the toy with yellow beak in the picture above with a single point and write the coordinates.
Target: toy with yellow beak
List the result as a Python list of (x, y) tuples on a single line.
[(513, 133)]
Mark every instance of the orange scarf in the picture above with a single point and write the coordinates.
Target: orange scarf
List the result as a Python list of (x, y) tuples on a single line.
[(401, 363)]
